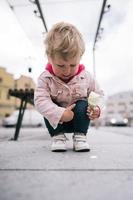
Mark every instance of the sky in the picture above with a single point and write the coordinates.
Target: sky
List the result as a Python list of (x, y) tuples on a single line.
[(113, 54)]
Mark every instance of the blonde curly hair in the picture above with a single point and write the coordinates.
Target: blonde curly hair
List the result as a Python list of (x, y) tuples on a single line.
[(65, 41)]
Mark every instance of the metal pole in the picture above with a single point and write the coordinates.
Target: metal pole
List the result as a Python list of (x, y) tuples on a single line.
[(96, 35), (94, 70), (41, 14), (99, 23)]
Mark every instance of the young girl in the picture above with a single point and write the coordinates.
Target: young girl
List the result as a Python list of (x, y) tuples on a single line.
[(63, 88)]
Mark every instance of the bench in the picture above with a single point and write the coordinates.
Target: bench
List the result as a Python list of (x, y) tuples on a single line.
[(26, 96)]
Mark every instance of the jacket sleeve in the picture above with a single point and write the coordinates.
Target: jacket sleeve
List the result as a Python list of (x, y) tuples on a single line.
[(44, 103)]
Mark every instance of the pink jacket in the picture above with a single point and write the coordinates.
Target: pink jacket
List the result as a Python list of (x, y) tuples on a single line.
[(51, 89)]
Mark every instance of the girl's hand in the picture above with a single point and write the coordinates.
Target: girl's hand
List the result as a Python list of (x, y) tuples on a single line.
[(93, 112), (68, 114)]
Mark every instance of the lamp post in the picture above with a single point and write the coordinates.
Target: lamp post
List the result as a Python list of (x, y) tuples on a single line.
[(40, 13), (98, 32)]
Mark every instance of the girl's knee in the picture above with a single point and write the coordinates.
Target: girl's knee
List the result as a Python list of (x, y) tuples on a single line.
[(81, 106)]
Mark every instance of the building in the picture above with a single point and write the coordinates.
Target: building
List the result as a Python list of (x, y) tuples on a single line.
[(24, 82), (6, 83), (121, 103), (7, 103)]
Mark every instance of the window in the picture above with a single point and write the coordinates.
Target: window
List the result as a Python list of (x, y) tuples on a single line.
[(110, 104), (121, 104), (110, 112), (27, 85), (122, 111), (8, 96), (1, 80), (120, 96)]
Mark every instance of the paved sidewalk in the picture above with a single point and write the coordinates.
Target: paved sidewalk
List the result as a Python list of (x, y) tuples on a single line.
[(29, 170)]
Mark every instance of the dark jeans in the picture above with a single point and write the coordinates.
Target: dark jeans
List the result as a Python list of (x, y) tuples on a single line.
[(79, 124)]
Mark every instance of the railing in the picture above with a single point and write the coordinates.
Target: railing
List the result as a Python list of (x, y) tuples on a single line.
[(26, 96)]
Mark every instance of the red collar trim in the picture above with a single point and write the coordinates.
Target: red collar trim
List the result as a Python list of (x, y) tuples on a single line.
[(50, 69)]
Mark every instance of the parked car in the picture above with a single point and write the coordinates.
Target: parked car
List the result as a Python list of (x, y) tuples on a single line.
[(117, 120), (31, 118)]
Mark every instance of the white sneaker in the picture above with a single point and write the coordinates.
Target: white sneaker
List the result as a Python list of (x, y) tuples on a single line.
[(59, 143), (80, 143)]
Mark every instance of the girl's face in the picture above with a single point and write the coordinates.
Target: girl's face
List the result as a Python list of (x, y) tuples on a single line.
[(64, 69)]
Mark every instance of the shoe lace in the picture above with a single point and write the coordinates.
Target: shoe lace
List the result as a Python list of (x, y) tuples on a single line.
[(61, 137), (80, 138)]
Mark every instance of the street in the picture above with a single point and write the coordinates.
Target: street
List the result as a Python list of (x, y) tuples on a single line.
[(29, 170)]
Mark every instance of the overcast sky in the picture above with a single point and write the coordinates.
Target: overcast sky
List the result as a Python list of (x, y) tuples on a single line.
[(113, 51)]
